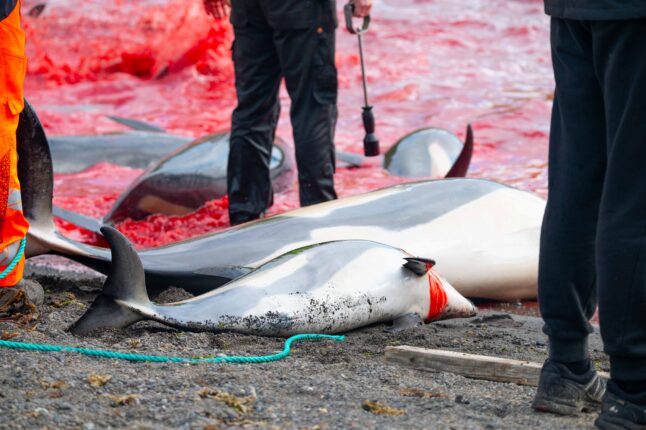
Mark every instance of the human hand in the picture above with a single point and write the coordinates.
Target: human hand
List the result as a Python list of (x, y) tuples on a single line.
[(218, 9), (361, 8)]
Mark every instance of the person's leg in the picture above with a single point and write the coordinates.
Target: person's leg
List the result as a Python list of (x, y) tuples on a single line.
[(13, 225), (257, 74), (17, 296), (577, 163), (621, 236), (305, 41), (567, 274)]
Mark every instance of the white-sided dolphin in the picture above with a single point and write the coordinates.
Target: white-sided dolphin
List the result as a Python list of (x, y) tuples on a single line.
[(142, 146), (188, 177), (184, 180), (484, 235), (430, 153), (135, 149), (324, 288)]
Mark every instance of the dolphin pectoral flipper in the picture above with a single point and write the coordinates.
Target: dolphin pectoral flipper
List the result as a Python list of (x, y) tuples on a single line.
[(124, 291), (92, 224), (136, 124), (405, 322), (418, 265)]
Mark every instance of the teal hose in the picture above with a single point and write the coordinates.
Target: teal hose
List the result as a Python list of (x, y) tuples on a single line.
[(162, 359), (153, 358), (15, 260)]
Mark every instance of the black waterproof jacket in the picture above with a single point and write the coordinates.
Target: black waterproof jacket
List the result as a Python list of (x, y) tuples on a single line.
[(596, 10)]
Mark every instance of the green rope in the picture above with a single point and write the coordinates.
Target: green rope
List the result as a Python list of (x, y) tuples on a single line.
[(15, 260), (161, 359)]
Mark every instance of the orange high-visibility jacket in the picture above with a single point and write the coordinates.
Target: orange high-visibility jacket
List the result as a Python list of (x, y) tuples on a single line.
[(13, 65)]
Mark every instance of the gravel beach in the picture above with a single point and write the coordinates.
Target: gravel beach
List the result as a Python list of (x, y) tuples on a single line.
[(322, 385)]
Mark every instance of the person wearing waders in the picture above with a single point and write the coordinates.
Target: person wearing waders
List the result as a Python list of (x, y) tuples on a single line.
[(275, 39), (16, 294), (593, 240)]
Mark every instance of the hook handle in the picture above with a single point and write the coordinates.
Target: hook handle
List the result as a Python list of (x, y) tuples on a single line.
[(348, 10)]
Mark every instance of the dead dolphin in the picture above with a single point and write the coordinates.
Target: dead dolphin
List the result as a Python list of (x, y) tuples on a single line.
[(430, 152), (142, 146), (324, 288), (136, 149), (484, 234), (184, 180), (192, 173)]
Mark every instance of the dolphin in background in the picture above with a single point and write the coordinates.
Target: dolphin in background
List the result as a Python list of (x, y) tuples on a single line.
[(324, 288), (184, 180), (430, 153), (135, 149), (183, 174)]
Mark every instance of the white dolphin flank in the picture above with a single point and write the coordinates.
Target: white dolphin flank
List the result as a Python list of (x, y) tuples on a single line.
[(326, 288)]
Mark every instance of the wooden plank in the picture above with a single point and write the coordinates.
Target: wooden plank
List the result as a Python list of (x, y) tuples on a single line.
[(469, 365)]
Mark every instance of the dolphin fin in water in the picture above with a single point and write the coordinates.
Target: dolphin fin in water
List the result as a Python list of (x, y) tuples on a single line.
[(37, 10), (461, 165), (125, 286), (136, 124), (418, 265)]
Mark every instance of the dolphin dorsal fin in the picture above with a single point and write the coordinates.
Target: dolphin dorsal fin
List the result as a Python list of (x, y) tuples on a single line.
[(461, 165), (418, 265)]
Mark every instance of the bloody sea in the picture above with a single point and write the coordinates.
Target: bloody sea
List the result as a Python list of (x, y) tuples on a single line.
[(442, 63)]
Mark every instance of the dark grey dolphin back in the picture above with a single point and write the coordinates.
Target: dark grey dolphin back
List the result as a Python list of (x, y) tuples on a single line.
[(189, 177), (214, 259)]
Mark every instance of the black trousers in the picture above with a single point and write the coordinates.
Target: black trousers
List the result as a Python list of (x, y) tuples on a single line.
[(294, 40), (593, 241)]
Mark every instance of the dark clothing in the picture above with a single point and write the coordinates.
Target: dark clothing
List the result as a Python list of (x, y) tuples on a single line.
[(596, 10), (593, 242), (293, 39), (6, 7)]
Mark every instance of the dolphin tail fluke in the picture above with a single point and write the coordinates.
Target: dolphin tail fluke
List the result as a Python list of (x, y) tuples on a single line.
[(136, 124), (37, 10), (87, 222), (124, 291), (36, 175), (36, 179), (461, 165)]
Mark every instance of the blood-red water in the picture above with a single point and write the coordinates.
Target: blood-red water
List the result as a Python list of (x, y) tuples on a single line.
[(443, 63)]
